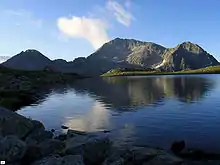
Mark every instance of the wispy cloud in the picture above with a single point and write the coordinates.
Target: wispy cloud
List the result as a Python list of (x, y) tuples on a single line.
[(23, 17), (121, 14), (92, 29)]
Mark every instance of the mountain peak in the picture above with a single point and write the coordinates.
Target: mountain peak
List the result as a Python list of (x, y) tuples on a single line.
[(191, 47), (32, 51), (30, 59)]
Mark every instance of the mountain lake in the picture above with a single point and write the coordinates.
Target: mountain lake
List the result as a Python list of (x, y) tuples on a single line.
[(141, 110)]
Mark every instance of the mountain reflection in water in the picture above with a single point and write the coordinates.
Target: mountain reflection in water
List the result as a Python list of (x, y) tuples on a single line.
[(126, 92), (155, 110)]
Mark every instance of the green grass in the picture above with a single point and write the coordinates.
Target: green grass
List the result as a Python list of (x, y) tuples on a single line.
[(138, 72)]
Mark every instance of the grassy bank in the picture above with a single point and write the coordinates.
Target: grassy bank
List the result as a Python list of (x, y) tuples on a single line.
[(19, 88), (146, 72)]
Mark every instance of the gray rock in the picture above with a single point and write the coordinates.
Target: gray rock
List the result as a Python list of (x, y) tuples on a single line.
[(165, 159), (38, 136), (12, 123), (66, 160), (33, 153), (133, 155), (12, 149), (52, 146), (61, 137), (46, 148), (73, 133), (90, 148), (38, 125)]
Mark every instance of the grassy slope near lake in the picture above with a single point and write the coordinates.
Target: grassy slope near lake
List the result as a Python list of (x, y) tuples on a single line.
[(139, 72), (19, 88)]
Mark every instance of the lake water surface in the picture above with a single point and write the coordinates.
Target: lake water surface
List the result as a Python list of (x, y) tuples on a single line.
[(152, 111)]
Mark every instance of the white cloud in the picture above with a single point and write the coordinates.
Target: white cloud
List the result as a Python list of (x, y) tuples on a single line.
[(122, 15), (23, 17), (92, 29)]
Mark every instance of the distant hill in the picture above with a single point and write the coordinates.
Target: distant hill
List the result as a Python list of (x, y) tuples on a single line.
[(28, 60), (120, 53)]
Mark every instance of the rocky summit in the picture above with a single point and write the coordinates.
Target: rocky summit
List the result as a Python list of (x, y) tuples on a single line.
[(120, 53)]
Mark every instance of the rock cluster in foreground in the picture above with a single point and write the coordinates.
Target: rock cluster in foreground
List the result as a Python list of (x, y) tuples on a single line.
[(24, 141)]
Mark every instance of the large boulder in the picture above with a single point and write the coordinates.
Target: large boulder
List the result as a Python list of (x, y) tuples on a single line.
[(38, 136), (94, 149), (52, 146), (66, 160), (46, 148), (12, 149), (12, 123)]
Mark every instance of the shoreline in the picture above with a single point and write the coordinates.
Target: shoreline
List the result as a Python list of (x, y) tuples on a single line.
[(25, 141), (127, 74), (136, 72)]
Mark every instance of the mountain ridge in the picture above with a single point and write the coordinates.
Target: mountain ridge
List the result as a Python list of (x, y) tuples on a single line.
[(122, 53)]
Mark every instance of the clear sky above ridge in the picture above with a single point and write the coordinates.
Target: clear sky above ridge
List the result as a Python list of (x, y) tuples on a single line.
[(71, 28)]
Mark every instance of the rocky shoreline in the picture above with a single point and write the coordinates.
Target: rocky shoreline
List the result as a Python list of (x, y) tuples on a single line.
[(26, 142)]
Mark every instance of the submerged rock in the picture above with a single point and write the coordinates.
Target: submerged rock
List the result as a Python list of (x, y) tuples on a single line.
[(12, 149)]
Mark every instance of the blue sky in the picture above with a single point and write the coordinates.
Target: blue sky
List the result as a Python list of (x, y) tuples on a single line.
[(71, 28)]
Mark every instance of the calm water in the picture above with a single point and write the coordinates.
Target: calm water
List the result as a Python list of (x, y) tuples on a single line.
[(151, 111)]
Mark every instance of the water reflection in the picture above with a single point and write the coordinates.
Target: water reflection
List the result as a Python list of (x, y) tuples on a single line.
[(128, 92), (138, 110), (96, 119)]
